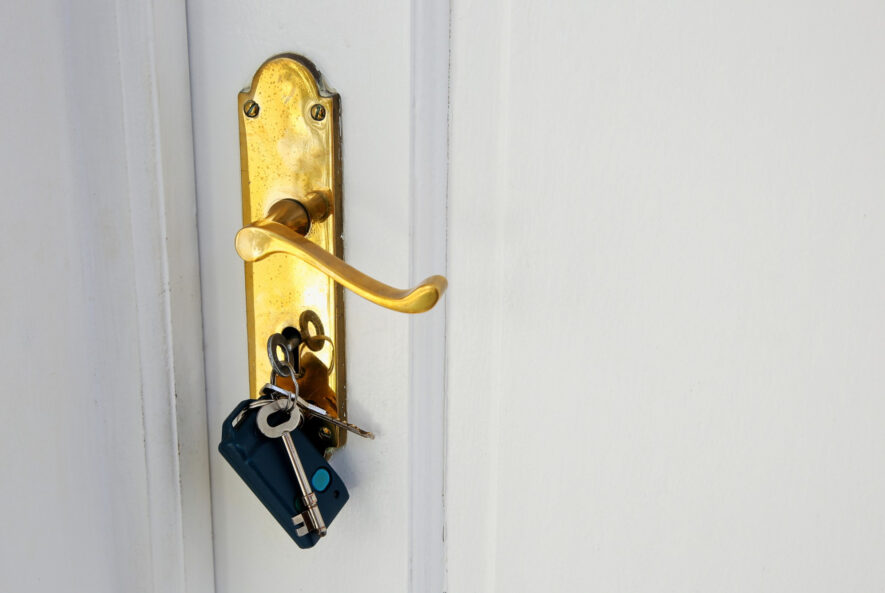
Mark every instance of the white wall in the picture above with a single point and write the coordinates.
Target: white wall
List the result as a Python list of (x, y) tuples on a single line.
[(666, 244)]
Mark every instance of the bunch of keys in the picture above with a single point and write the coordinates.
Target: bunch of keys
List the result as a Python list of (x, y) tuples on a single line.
[(294, 482)]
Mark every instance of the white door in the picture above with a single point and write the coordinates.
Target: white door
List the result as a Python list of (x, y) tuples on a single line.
[(664, 331), (660, 362)]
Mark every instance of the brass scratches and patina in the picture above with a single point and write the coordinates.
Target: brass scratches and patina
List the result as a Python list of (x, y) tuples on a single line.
[(286, 153), (290, 147)]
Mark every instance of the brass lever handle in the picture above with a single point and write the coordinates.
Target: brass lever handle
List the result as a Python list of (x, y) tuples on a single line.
[(283, 230)]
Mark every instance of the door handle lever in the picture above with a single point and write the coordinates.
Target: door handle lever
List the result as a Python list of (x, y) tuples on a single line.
[(283, 230)]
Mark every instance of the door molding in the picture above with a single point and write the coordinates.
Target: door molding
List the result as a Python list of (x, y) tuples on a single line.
[(428, 191), (155, 93)]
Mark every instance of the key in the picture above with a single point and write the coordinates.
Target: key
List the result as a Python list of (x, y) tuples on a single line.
[(266, 469), (309, 408), (311, 519)]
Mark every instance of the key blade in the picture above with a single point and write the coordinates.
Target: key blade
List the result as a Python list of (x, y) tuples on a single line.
[(351, 427), (270, 389), (309, 408)]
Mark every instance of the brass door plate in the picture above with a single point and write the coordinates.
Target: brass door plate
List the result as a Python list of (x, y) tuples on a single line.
[(290, 147)]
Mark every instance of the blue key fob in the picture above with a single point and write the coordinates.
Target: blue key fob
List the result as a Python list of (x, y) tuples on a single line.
[(263, 464)]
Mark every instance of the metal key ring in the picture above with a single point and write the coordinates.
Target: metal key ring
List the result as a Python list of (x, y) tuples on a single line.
[(292, 398), (283, 368)]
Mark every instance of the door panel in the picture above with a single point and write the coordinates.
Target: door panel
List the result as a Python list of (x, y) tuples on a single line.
[(666, 230), (664, 226), (666, 327)]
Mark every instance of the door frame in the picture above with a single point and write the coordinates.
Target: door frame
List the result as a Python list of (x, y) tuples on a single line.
[(153, 51)]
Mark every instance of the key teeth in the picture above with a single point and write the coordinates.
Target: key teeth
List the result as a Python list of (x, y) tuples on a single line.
[(300, 522)]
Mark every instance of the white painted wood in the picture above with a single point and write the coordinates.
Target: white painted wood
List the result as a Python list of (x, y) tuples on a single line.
[(371, 54), (666, 233), (429, 162), (105, 484)]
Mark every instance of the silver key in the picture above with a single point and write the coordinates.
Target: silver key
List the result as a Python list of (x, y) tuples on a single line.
[(311, 519), (312, 410)]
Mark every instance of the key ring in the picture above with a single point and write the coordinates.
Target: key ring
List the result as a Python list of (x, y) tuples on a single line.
[(293, 395), (285, 367)]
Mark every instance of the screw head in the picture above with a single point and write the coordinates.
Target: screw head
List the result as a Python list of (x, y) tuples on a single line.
[(325, 433), (318, 112), (250, 108)]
